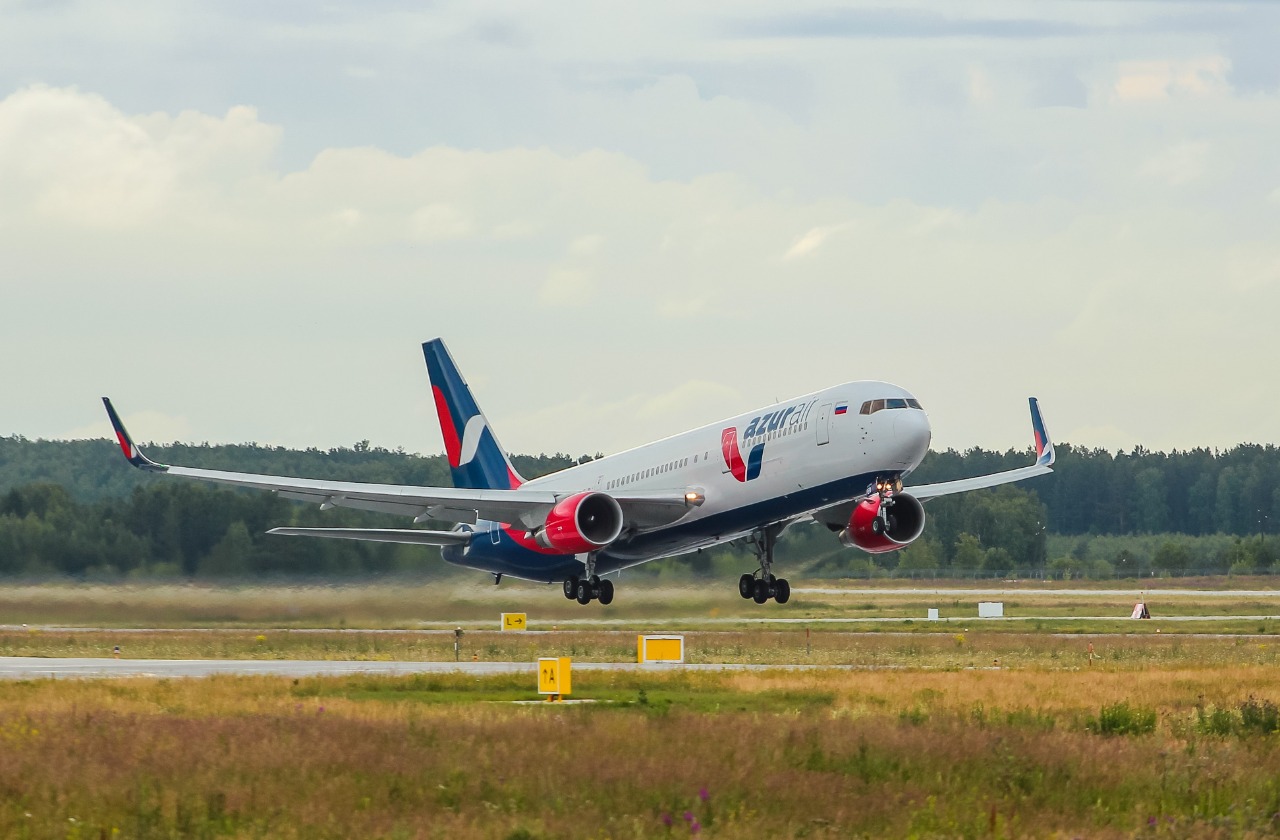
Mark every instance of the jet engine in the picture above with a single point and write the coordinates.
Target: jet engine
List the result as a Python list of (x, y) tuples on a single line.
[(884, 523), (581, 523)]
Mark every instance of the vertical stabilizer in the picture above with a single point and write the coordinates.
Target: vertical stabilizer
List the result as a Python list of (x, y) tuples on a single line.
[(477, 460)]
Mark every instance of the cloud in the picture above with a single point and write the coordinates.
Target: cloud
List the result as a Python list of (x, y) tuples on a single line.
[(1148, 81), (812, 240), (598, 303), (436, 222), (1177, 165), (901, 24), (572, 287), (72, 158)]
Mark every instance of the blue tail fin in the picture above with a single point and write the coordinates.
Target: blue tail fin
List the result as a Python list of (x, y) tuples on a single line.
[(476, 459)]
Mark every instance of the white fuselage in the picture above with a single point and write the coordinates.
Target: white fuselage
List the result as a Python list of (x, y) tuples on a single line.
[(766, 466)]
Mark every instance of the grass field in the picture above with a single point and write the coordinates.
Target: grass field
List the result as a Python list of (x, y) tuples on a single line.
[(1177, 752), (713, 604), (971, 730)]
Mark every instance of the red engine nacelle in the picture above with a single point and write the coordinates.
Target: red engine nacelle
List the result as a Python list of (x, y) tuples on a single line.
[(876, 534), (581, 523)]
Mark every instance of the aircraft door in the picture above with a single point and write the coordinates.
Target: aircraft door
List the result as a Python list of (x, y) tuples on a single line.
[(823, 424)]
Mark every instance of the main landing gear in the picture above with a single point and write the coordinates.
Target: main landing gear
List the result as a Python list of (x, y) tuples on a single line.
[(766, 586), (591, 588)]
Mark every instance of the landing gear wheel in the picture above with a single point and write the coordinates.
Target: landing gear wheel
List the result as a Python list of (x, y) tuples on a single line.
[(606, 592), (571, 587), (766, 586), (584, 593)]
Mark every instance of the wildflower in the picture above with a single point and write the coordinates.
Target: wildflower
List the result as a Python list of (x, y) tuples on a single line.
[(688, 816), (703, 794), (695, 827), (1151, 821), (666, 819)]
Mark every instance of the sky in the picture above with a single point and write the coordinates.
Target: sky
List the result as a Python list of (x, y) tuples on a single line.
[(241, 219)]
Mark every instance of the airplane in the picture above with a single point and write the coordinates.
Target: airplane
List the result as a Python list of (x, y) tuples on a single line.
[(836, 456)]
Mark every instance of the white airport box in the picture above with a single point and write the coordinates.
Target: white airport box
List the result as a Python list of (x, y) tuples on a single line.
[(933, 613), (991, 609)]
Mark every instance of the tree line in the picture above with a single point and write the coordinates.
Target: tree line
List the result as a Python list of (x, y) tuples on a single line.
[(73, 508)]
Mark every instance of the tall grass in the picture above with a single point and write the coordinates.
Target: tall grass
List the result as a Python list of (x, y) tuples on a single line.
[(410, 605), (769, 754)]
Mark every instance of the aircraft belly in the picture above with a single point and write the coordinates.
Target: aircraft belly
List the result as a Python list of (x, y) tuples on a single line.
[(734, 511), (727, 524)]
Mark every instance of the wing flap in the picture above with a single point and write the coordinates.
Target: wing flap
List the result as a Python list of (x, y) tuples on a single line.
[(386, 535), (647, 509), (527, 507)]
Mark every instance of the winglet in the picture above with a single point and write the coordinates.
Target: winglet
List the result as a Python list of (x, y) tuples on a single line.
[(1044, 446), (131, 452)]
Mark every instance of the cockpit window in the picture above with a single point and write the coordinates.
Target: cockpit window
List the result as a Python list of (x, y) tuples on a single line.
[(872, 406)]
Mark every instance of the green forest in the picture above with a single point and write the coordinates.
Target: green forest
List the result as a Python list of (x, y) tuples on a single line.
[(73, 508)]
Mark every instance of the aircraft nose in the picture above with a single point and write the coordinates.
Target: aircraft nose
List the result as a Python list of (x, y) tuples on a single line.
[(911, 436)]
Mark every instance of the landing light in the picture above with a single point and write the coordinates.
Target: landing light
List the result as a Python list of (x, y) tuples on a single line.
[(694, 498)]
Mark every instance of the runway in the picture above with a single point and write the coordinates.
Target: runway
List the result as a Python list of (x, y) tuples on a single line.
[(1030, 590), (35, 668), (691, 624)]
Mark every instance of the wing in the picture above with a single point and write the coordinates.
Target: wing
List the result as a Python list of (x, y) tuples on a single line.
[(1042, 465), (527, 507)]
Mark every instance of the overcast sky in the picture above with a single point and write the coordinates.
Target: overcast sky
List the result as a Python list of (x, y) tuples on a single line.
[(241, 219)]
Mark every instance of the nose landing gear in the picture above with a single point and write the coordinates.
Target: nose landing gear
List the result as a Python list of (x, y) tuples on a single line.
[(761, 589)]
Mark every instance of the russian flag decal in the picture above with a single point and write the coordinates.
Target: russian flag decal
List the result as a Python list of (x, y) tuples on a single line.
[(842, 408)]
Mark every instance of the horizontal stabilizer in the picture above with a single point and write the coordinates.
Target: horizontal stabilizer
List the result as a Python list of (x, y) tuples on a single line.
[(386, 535)]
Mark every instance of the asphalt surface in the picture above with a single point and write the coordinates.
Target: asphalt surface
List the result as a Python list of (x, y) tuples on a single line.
[(1032, 589), (32, 667)]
